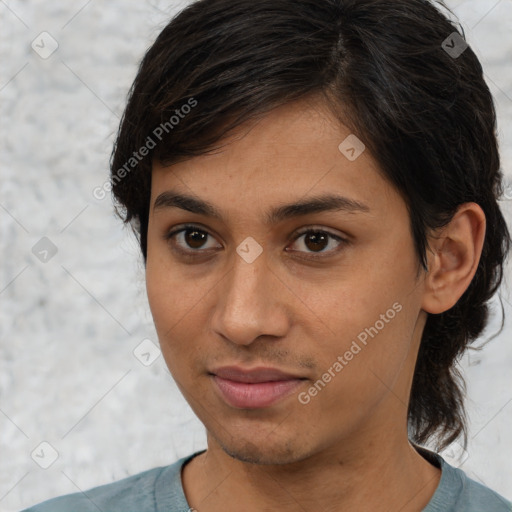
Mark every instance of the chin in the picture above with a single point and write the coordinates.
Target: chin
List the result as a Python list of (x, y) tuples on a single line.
[(264, 453)]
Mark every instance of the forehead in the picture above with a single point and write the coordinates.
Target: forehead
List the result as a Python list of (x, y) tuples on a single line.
[(294, 151)]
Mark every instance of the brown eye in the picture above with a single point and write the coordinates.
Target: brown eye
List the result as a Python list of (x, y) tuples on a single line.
[(316, 241), (195, 238), (191, 240)]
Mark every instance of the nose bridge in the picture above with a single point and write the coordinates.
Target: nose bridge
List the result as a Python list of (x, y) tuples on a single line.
[(247, 306)]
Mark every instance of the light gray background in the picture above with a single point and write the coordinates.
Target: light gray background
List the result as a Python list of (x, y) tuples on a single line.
[(69, 326)]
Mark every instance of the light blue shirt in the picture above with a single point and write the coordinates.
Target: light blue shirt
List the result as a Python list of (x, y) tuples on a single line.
[(160, 490)]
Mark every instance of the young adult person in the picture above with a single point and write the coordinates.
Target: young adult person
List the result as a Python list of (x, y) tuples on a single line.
[(314, 186)]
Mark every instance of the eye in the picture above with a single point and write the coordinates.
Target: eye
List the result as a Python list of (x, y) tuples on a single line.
[(318, 241), (190, 239)]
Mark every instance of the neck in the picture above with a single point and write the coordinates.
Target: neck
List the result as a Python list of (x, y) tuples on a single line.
[(382, 474)]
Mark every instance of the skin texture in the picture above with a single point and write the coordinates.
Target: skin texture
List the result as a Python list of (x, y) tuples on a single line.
[(347, 448)]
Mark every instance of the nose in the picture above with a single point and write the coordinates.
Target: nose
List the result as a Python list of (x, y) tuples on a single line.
[(251, 302)]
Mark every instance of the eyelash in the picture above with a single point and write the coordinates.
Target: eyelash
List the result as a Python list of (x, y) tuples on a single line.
[(197, 252)]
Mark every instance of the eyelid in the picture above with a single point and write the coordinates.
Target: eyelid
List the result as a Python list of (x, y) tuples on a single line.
[(183, 227), (316, 229)]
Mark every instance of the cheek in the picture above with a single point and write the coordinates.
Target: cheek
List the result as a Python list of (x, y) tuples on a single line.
[(171, 305), (371, 317), (168, 295), (358, 375)]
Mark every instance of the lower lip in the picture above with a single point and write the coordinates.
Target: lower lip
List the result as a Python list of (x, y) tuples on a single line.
[(254, 395)]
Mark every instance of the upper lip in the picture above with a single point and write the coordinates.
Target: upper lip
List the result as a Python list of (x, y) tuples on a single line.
[(260, 374)]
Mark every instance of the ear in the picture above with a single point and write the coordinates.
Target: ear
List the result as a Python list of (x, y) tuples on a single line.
[(456, 250)]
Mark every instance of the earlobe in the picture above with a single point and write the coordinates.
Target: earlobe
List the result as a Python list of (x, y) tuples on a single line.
[(455, 253)]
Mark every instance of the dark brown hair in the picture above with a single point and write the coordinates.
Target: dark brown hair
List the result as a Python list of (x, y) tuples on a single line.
[(383, 66)]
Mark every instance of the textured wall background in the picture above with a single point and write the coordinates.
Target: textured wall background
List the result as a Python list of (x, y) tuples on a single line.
[(71, 319)]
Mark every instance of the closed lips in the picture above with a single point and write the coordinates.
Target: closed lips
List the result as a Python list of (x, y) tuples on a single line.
[(254, 375)]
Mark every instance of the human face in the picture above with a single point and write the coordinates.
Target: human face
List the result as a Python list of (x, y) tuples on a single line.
[(300, 304)]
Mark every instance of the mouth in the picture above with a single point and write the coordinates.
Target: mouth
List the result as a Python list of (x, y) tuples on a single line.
[(254, 388)]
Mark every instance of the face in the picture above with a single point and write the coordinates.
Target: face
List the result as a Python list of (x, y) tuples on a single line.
[(321, 301)]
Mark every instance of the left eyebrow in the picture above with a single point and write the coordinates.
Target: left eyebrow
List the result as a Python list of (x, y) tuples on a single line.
[(316, 204)]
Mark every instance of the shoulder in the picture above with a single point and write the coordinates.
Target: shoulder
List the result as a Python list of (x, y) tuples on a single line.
[(135, 493), (477, 497), (459, 493)]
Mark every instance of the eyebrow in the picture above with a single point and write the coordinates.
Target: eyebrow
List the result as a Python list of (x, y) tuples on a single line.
[(316, 204)]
